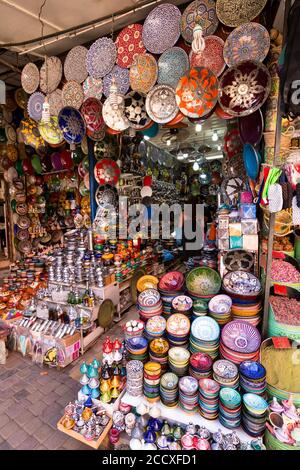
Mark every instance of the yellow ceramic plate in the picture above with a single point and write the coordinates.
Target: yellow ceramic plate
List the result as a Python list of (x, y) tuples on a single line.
[(159, 346), (147, 282), (152, 367)]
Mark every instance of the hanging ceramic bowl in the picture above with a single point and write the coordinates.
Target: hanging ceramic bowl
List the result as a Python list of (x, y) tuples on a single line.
[(50, 74), (115, 118), (101, 57), (107, 171), (250, 41), (129, 44), (92, 88), (172, 64), (72, 125), (161, 104), (121, 76), (135, 110), (201, 12), (30, 78), (75, 64), (35, 105), (31, 134), (236, 12), (91, 110), (244, 88), (50, 131), (197, 92), (55, 102), (143, 73), (251, 128), (211, 57), (72, 94), (161, 29)]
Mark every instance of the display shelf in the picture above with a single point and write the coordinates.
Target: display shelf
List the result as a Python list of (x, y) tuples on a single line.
[(79, 437)]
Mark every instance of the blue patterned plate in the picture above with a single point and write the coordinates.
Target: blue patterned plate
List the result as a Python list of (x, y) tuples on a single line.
[(252, 370), (255, 403), (172, 64), (101, 57), (205, 329), (35, 105), (72, 125), (121, 76), (161, 28)]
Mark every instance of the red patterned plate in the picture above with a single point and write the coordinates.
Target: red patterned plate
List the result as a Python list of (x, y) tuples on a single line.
[(92, 113), (211, 57), (232, 143), (197, 92), (129, 44), (107, 171)]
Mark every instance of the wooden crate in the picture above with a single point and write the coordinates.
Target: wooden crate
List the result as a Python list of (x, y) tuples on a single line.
[(79, 437)]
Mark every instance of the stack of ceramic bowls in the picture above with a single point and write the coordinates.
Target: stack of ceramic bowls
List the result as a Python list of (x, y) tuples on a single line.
[(149, 304), (254, 414), (201, 366), (155, 327), (253, 378), (170, 286), (152, 373), (182, 304), (200, 309), (158, 352), (188, 394), (203, 283), (219, 308), (230, 408), (178, 329), (226, 374), (137, 348), (204, 337), (240, 342), (134, 379), (209, 398), (169, 389), (133, 328), (178, 360), (250, 313)]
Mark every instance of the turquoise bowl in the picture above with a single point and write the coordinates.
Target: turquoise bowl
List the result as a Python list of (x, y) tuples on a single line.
[(230, 397)]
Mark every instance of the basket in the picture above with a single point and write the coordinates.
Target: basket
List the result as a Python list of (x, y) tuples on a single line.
[(281, 329), (283, 221), (272, 443), (285, 140)]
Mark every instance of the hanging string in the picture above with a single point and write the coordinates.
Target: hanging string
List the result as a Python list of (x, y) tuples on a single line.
[(46, 107)]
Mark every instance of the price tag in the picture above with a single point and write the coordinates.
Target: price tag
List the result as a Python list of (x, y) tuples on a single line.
[(281, 342)]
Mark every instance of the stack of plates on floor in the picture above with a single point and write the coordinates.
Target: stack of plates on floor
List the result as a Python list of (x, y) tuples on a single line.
[(169, 389), (201, 366), (203, 283), (226, 374), (133, 328), (158, 352), (200, 309), (188, 394), (209, 398), (149, 304), (155, 327), (170, 286), (230, 408), (253, 378), (178, 329), (182, 304), (204, 337), (178, 360), (254, 414), (137, 348), (134, 379), (152, 373), (219, 308), (240, 342)]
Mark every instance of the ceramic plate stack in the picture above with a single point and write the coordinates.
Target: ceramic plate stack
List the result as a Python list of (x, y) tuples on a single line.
[(201, 366), (169, 389), (209, 398), (230, 408), (149, 304), (250, 313), (155, 327), (170, 286), (254, 414), (203, 283), (134, 379), (178, 359), (240, 342), (152, 373), (158, 352), (133, 328), (137, 348), (204, 336), (200, 309), (219, 308), (226, 374), (253, 378), (182, 304), (188, 394), (178, 329)]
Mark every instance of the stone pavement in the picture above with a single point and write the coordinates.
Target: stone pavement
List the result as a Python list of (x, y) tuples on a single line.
[(32, 399)]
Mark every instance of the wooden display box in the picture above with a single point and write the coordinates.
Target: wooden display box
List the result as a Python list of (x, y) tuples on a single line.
[(79, 437)]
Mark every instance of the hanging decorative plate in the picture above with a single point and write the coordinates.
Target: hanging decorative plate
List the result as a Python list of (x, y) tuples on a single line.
[(24, 246), (239, 260), (230, 189), (161, 29), (115, 118), (251, 161), (244, 88), (35, 105), (71, 124), (31, 134), (240, 336), (197, 92), (106, 195), (121, 76), (12, 152), (92, 88), (55, 102), (202, 12), (235, 166), (50, 131), (91, 110), (50, 74), (172, 64), (251, 128), (161, 104), (101, 57), (11, 134), (30, 78), (21, 98), (129, 43), (107, 171), (233, 13), (106, 313), (135, 110), (72, 94), (96, 136), (75, 64), (232, 143), (250, 41), (211, 57), (143, 73)]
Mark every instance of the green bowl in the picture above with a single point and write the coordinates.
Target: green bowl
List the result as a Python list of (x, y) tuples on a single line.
[(203, 281)]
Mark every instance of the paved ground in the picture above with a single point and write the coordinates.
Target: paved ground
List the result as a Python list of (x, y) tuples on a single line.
[(32, 399)]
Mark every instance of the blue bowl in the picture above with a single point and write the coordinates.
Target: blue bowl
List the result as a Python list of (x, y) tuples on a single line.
[(136, 343), (252, 370)]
